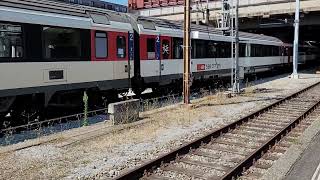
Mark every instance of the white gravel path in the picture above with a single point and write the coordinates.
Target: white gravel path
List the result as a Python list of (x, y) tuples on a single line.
[(109, 155)]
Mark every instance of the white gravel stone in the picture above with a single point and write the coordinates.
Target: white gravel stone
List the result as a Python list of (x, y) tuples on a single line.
[(113, 157)]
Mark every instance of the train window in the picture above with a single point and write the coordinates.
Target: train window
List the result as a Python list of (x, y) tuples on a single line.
[(223, 50), (101, 45), (165, 49), (177, 48), (61, 43), (276, 51), (242, 50), (257, 50), (211, 49), (121, 47), (151, 48), (200, 48), (11, 41)]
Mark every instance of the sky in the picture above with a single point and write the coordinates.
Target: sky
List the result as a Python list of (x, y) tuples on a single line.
[(123, 2)]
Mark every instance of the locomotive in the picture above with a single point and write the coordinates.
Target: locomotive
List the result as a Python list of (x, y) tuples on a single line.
[(51, 52)]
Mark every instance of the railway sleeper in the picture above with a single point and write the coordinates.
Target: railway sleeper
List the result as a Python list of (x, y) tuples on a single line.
[(227, 150), (193, 173), (284, 118), (263, 125), (285, 112), (243, 138), (258, 129), (263, 121), (211, 165), (254, 131), (251, 146), (249, 133)]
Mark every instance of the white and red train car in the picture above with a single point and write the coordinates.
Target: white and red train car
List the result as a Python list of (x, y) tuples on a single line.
[(51, 52)]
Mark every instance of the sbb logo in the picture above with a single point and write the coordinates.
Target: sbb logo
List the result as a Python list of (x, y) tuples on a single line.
[(201, 67)]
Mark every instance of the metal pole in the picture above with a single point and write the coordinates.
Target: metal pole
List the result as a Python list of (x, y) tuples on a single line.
[(237, 78), (296, 41), (231, 16), (186, 53)]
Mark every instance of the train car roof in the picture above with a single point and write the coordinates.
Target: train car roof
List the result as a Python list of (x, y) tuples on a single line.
[(168, 27), (77, 16)]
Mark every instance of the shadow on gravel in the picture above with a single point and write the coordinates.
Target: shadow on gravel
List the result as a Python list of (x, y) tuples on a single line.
[(264, 90)]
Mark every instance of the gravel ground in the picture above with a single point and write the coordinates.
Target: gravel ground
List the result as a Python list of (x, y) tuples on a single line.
[(109, 155)]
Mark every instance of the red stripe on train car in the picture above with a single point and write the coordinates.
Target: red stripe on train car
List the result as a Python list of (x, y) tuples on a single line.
[(112, 46), (143, 46)]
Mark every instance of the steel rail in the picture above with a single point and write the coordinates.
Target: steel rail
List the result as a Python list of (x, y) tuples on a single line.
[(140, 171)]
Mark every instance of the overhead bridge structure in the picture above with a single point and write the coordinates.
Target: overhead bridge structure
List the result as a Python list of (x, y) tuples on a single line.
[(247, 8)]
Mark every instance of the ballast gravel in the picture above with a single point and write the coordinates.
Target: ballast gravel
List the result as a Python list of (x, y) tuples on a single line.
[(109, 155)]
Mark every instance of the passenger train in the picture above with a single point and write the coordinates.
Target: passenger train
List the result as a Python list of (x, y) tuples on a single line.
[(50, 53)]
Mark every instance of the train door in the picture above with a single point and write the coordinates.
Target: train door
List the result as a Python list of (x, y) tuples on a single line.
[(165, 50), (119, 53), (150, 57)]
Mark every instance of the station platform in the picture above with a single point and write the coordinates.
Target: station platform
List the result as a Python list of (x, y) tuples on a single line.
[(308, 166)]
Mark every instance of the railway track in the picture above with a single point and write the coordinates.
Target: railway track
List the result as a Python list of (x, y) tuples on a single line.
[(227, 152)]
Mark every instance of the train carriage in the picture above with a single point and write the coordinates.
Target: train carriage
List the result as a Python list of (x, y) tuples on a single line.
[(51, 52), (161, 47)]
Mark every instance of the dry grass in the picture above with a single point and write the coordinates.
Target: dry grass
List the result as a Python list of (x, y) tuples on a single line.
[(84, 153), (249, 89)]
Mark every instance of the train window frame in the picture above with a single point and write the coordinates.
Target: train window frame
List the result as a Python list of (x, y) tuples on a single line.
[(165, 51), (83, 45), (124, 47), (22, 45), (177, 50), (106, 44), (149, 47)]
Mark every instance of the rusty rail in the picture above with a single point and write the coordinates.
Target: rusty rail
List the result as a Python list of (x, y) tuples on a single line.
[(140, 171)]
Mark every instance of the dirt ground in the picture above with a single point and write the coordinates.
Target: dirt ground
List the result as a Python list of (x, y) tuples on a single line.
[(107, 155)]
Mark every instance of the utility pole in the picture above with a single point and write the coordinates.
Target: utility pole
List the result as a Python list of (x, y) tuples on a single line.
[(295, 74), (186, 53), (235, 79)]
